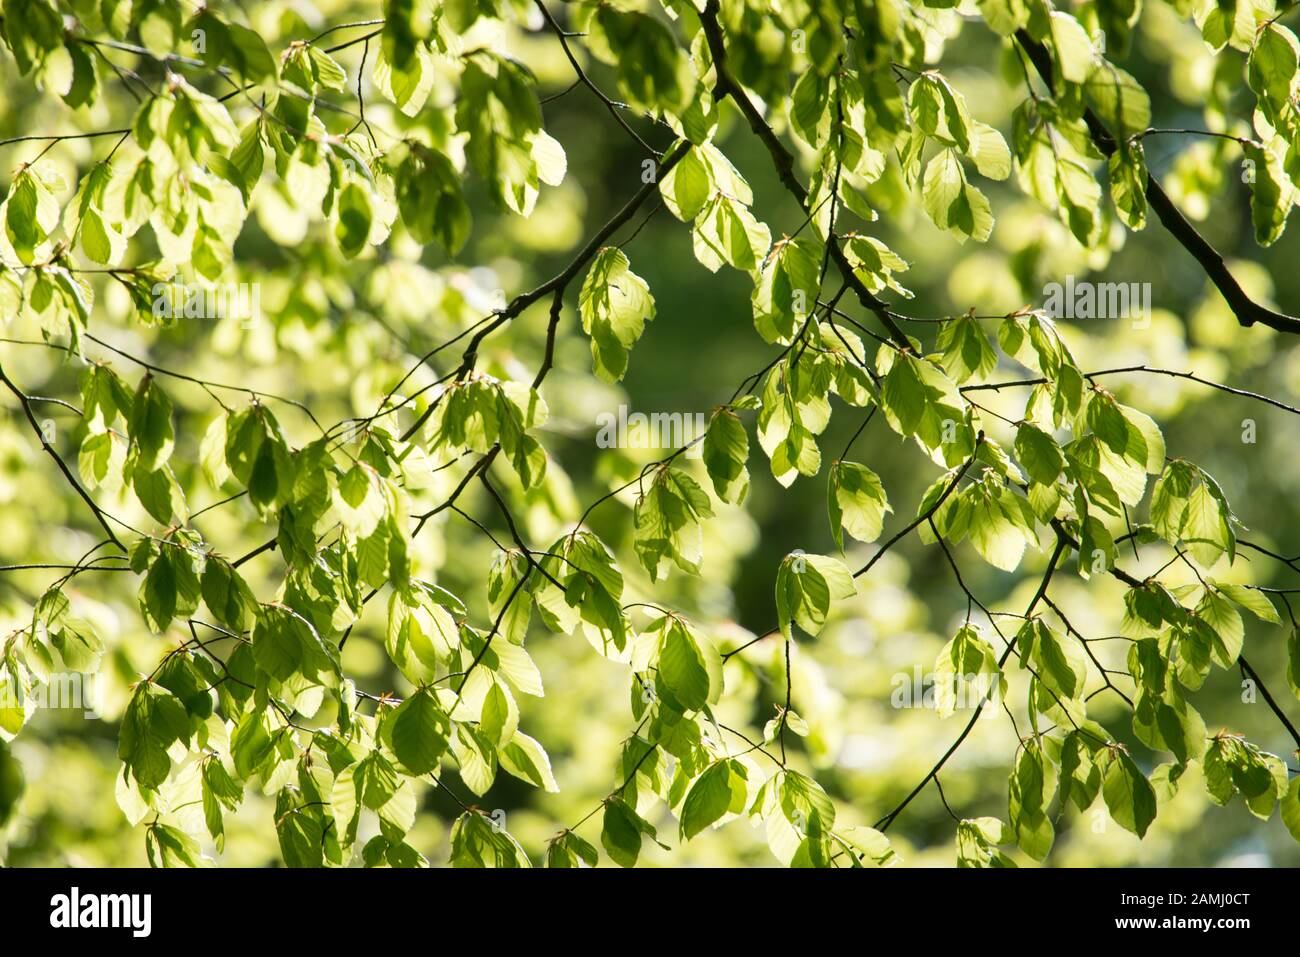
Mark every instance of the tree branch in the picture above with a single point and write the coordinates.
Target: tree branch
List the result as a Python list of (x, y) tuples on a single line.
[(783, 161), (1247, 311), (100, 514), (884, 823)]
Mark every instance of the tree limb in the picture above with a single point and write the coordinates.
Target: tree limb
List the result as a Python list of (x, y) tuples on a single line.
[(1247, 311)]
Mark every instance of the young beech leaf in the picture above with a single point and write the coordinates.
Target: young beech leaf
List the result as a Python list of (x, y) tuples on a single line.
[(977, 842), (786, 292), (952, 203), (959, 670), (806, 585), (153, 720), (667, 521), (1030, 792), (570, 850), (940, 111), (1039, 454), (615, 304), (430, 199), (721, 788), (526, 759), (857, 502), (687, 186), (725, 451), (227, 595), (479, 841), (621, 832), (1291, 809), (651, 66), (689, 668), (1128, 794), (419, 732), (152, 435)]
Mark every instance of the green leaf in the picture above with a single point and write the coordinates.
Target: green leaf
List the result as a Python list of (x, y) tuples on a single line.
[(430, 199), (568, 850), (159, 493), (857, 502), (1039, 454), (419, 732), (227, 595), (94, 457), (1074, 56), (727, 232), (952, 203), (1224, 621), (355, 216), (717, 790), (154, 718), (687, 186), (234, 46), (1291, 809), (170, 589), (275, 646), (167, 846), (1271, 193), (1128, 795), (977, 842), (1127, 169), (326, 70), (1206, 524), (1252, 599), (499, 109), (964, 661), (615, 304), (377, 780), (1057, 660), (1029, 795), (966, 349), (287, 644), (786, 292), (500, 715), (1272, 67), (805, 804), (526, 759), (79, 647), (152, 437), (690, 670), (875, 264), (477, 841), (31, 212), (905, 395), (940, 111), (989, 151), (621, 831), (725, 452), (805, 587), (1118, 100), (667, 521), (651, 67)]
